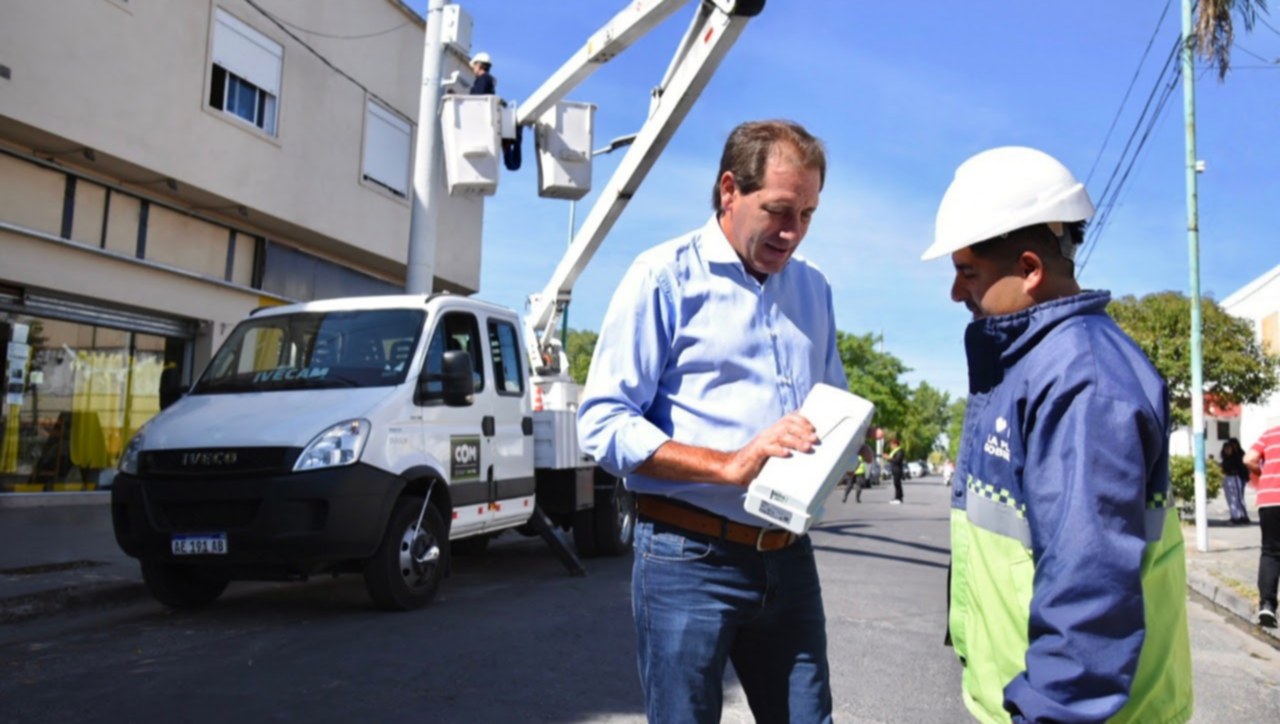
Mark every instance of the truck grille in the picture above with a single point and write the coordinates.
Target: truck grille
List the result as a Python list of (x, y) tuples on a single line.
[(217, 462)]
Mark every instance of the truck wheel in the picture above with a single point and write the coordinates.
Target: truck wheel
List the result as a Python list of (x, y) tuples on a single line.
[(406, 570), (584, 532), (615, 519), (183, 586)]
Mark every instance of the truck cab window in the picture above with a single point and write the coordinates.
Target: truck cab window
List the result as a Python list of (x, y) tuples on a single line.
[(315, 350), (455, 331)]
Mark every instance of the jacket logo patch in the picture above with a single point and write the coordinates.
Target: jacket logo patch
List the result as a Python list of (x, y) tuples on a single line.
[(997, 447), (1001, 424)]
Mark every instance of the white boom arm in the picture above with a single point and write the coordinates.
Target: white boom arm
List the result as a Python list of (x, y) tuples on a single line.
[(715, 28)]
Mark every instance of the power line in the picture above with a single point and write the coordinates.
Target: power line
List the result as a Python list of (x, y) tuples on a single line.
[(1238, 46), (1137, 71), (1108, 199), (343, 37), (282, 25)]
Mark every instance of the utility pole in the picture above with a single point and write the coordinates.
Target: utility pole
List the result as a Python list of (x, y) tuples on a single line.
[(1193, 248), (426, 167)]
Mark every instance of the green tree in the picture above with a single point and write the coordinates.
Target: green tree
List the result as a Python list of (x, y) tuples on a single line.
[(1215, 29), (955, 426), (1236, 370), (579, 347), (875, 376), (928, 412)]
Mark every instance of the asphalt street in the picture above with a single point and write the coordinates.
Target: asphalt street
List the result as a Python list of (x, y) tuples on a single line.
[(512, 638)]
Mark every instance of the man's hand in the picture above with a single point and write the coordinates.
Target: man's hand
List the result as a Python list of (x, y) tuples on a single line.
[(792, 432)]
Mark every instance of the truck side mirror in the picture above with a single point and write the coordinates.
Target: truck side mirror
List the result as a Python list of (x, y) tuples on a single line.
[(455, 384)]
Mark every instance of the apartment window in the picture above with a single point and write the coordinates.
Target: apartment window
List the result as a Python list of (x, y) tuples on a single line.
[(246, 73), (387, 145)]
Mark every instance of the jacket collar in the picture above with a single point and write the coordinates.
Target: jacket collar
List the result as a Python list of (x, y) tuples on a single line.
[(995, 344)]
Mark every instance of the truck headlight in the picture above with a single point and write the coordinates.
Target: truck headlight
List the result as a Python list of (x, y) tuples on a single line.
[(129, 458), (337, 446)]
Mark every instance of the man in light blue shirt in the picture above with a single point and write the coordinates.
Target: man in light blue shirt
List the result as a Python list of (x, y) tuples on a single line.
[(709, 347)]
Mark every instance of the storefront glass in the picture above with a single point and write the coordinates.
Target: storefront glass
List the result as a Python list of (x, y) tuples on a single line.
[(74, 395)]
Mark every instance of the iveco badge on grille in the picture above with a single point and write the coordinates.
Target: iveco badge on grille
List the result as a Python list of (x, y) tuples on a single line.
[(208, 459)]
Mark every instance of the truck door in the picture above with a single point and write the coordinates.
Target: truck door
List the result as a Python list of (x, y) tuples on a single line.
[(510, 443), (454, 435)]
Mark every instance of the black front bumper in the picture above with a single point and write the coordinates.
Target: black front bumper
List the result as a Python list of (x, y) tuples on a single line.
[(276, 525)]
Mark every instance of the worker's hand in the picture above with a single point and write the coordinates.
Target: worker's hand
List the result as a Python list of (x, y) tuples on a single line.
[(792, 432)]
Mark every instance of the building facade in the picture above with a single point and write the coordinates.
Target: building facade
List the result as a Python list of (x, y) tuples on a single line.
[(167, 167), (1259, 302)]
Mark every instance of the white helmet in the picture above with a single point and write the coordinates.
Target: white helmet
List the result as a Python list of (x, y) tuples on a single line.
[(481, 58), (1006, 189)]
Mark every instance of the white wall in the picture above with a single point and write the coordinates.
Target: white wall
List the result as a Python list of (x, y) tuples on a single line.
[(1256, 302)]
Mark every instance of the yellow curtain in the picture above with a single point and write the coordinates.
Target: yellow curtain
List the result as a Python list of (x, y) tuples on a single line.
[(114, 396)]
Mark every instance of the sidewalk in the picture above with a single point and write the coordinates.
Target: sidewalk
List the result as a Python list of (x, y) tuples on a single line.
[(1227, 574), (63, 557), (59, 557)]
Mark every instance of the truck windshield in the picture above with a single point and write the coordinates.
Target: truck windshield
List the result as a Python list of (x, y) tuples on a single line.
[(315, 350)]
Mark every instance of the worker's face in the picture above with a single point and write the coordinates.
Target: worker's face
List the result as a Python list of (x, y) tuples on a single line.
[(767, 225), (988, 287), (477, 69)]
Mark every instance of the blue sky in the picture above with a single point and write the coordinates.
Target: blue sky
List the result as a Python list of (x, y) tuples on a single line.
[(902, 93)]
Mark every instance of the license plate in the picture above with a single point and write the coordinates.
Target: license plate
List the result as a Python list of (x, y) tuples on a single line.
[(200, 545)]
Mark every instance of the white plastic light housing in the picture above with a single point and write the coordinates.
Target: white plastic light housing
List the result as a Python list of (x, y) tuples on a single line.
[(339, 445), (129, 458)]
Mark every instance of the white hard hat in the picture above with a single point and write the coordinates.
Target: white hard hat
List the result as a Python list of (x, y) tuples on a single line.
[(481, 58), (1003, 190)]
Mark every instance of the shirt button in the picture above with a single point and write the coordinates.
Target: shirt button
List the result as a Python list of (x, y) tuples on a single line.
[(773, 333)]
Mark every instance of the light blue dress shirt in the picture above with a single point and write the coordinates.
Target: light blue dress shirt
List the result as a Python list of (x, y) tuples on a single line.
[(695, 349)]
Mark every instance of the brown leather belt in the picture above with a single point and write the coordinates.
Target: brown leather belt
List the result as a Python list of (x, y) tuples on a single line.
[(711, 525)]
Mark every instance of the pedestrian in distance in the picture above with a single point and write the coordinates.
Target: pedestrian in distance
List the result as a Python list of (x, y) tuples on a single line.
[(1068, 586), (1234, 477), (857, 480), (897, 464), (1264, 459), (710, 345), (485, 84)]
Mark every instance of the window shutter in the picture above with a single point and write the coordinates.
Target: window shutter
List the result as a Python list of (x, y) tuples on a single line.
[(247, 53), (387, 144)]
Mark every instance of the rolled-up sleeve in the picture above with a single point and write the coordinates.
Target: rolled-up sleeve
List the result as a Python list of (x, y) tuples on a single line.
[(626, 369)]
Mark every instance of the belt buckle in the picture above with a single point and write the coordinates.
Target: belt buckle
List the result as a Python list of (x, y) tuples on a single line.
[(760, 540), (790, 538)]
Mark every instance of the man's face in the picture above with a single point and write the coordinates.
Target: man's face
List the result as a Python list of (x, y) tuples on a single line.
[(988, 287), (766, 226)]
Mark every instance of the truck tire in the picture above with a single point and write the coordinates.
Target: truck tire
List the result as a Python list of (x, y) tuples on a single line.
[(584, 532), (615, 518), (178, 585), (406, 570)]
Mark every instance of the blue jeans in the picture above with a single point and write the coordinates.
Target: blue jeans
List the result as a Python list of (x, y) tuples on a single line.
[(699, 604)]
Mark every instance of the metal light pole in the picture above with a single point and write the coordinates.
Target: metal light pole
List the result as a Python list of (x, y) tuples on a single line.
[(426, 171), (1193, 248), (615, 144)]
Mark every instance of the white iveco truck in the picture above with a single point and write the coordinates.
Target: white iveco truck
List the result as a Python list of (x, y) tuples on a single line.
[(377, 435)]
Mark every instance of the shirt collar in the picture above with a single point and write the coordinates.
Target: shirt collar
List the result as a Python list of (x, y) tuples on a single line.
[(716, 248)]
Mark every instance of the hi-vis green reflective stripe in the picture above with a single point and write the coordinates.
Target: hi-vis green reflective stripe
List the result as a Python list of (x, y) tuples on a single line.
[(994, 509)]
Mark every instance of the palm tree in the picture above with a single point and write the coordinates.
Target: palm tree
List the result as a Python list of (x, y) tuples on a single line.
[(1215, 30)]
